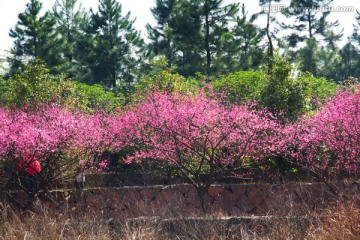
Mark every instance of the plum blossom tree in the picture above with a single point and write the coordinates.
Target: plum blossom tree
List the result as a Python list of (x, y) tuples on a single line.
[(59, 139), (328, 143), (198, 135)]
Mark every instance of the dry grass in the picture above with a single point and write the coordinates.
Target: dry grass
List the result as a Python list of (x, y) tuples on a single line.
[(44, 224), (341, 221)]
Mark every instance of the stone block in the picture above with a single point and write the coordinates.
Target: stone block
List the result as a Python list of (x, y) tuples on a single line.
[(256, 196), (149, 194), (192, 197), (226, 200), (215, 191), (238, 190), (244, 204), (184, 188), (235, 211)]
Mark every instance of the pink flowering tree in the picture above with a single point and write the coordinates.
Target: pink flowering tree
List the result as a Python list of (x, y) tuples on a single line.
[(328, 143), (59, 139), (198, 136)]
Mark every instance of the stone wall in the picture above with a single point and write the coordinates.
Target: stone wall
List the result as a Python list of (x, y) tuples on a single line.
[(182, 199)]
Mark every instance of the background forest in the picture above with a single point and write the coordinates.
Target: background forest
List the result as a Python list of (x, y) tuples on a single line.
[(192, 38)]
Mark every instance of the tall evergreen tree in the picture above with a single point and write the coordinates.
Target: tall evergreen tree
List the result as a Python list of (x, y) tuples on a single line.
[(310, 21), (355, 38), (312, 26), (191, 32), (308, 57), (35, 36), (347, 63), (160, 41), (70, 20), (240, 47), (215, 20), (269, 30), (115, 45), (185, 34), (340, 64), (349, 56)]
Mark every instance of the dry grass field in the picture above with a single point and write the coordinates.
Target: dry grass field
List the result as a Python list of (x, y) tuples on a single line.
[(341, 221)]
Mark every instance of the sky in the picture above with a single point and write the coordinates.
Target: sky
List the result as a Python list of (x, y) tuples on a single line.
[(140, 9)]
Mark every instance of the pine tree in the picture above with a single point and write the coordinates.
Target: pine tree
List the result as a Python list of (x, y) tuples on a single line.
[(215, 19), (347, 64), (185, 34), (35, 37), (240, 47), (190, 33), (114, 45), (70, 21), (349, 55), (312, 26), (355, 38), (160, 41), (309, 22), (308, 57), (341, 64), (269, 30)]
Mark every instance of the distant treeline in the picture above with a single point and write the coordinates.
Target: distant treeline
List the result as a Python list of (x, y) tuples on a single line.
[(202, 36)]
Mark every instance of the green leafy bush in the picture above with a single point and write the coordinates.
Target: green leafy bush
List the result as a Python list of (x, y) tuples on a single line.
[(36, 86), (164, 79), (96, 98), (318, 90), (241, 86), (285, 95)]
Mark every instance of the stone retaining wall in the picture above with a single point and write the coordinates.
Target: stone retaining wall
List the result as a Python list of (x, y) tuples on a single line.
[(182, 199)]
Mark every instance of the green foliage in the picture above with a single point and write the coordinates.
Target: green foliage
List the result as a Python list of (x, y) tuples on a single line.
[(241, 86), (288, 97), (318, 90), (239, 49), (35, 36), (36, 86), (163, 78), (70, 22), (112, 46), (284, 95), (96, 98), (195, 35), (308, 57), (346, 64), (33, 87)]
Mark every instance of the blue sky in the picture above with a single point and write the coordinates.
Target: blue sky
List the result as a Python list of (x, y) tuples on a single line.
[(140, 9)]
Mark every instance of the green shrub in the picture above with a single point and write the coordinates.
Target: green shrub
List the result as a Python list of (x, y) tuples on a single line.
[(318, 90), (286, 96), (36, 86), (241, 86), (164, 79)]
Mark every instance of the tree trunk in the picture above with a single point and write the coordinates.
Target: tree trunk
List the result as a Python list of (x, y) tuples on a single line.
[(207, 37), (271, 47)]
